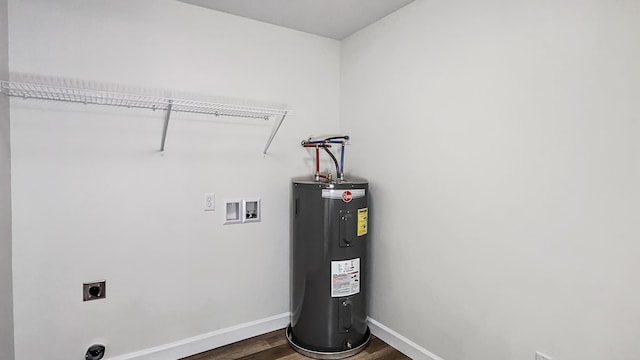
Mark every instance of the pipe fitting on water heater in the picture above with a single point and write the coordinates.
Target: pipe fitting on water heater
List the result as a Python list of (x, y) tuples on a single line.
[(326, 144)]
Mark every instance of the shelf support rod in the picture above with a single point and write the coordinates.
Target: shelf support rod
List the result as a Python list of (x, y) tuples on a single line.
[(166, 125), (276, 127)]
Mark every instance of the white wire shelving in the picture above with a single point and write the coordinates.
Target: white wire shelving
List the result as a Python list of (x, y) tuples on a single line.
[(30, 90)]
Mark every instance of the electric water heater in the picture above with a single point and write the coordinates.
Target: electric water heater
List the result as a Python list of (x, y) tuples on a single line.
[(330, 225)]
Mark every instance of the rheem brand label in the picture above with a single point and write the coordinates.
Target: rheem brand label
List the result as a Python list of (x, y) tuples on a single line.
[(344, 195)]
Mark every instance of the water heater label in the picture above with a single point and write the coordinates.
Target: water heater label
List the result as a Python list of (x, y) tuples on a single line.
[(344, 195), (345, 277), (363, 221)]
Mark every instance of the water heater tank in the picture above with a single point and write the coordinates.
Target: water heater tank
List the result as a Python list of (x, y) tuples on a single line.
[(328, 268)]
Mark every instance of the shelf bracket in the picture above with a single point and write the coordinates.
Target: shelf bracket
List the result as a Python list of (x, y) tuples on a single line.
[(166, 125), (276, 127)]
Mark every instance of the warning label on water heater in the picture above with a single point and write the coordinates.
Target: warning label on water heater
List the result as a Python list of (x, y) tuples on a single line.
[(345, 277), (363, 221)]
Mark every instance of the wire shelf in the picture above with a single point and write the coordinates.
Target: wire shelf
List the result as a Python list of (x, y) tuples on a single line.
[(30, 90)]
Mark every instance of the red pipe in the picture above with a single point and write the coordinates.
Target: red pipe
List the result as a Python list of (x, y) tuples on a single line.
[(317, 146)]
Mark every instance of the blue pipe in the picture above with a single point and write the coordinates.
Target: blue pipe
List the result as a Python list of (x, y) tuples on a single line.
[(342, 158)]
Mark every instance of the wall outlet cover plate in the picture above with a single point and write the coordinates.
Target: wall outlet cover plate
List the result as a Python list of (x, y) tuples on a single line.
[(209, 202), (94, 290)]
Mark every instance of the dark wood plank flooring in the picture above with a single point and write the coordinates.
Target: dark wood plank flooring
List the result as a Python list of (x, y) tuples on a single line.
[(274, 346)]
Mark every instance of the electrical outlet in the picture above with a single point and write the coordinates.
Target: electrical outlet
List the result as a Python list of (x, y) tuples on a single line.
[(541, 356), (209, 202), (94, 290)]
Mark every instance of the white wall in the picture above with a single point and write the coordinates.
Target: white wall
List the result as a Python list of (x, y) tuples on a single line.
[(501, 140), (93, 198), (6, 289)]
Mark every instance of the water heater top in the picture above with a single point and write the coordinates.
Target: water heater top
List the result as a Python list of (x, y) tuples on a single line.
[(349, 182)]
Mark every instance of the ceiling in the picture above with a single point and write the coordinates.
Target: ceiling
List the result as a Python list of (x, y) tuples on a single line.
[(334, 19)]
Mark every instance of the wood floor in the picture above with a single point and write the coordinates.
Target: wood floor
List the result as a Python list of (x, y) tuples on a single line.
[(274, 346)]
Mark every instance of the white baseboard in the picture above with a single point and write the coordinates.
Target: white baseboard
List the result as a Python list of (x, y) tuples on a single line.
[(218, 338), (401, 343), (212, 340)]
